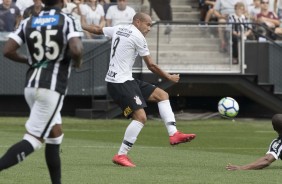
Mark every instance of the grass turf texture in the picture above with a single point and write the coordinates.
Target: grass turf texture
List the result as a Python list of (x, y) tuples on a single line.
[(89, 146)]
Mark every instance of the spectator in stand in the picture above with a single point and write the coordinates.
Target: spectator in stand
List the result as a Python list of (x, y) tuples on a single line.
[(73, 7), (93, 14), (271, 6), (224, 8), (10, 15), (254, 10), (269, 20), (119, 14), (278, 8), (14, 1), (238, 17), (69, 6), (163, 11), (33, 9), (23, 4), (211, 11)]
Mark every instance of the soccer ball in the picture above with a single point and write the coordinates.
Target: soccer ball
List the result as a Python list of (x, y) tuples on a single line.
[(228, 107)]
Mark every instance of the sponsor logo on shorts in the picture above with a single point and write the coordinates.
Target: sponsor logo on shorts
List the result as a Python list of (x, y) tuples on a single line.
[(127, 111)]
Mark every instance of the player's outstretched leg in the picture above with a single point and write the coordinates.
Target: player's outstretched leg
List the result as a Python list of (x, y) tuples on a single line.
[(130, 136), (167, 115), (19, 151)]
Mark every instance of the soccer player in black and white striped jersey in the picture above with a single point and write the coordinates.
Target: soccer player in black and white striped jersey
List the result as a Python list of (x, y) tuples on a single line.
[(274, 151), (54, 45)]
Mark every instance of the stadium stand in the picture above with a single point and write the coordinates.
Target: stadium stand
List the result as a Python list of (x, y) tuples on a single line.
[(191, 49)]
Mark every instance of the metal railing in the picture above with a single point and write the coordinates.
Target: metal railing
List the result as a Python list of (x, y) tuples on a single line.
[(196, 48)]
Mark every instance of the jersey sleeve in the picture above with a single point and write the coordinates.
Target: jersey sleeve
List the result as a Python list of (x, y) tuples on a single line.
[(275, 148), (108, 31), (74, 29), (18, 35), (142, 46)]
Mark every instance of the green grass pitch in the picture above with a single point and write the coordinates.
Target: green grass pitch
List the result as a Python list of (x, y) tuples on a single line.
[(89, 146)]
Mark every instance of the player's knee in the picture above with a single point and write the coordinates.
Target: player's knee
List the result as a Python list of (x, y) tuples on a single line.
[(141, 117), (163, 96), (36, 144), (159, 95), (56, 140)]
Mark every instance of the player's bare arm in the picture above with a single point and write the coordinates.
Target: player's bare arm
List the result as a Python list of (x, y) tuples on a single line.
[(157, 70), (10, 51), (260, 163), (92, 28), (76, 48)]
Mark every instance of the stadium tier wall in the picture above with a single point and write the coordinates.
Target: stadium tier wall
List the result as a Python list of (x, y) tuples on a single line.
[(87, 80), (262, 59)]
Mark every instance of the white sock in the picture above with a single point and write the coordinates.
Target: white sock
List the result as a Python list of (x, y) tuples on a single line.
[(167, 116), (130, 136)]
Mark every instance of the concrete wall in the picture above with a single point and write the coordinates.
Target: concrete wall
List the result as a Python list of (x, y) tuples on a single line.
[(85, 81)]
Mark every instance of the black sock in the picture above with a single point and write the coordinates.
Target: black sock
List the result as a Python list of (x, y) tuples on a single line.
[(52, 156), (16, 154)]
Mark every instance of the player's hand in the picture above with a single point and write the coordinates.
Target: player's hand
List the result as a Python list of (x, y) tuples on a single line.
[(174, 78), (230, 167)]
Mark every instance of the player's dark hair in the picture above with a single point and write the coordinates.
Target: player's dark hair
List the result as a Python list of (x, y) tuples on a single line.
[(50, 2), (277, 123)]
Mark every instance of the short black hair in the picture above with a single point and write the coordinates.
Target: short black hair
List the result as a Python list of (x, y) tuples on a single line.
[(277, 123), (50, 2)]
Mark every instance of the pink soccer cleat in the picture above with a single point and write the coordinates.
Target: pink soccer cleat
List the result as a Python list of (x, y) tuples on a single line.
[(179, 137), (123, 160)]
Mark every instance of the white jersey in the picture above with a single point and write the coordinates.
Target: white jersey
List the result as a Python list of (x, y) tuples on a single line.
[(127, 43), (23, 4), (120, 17), (92, 16)]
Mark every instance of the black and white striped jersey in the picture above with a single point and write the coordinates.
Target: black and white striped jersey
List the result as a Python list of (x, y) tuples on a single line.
[(275, 148), (46, 37)]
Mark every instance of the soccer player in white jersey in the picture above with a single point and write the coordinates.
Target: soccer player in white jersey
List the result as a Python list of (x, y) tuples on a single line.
[(54, 45), (127, 42), (274, 151)]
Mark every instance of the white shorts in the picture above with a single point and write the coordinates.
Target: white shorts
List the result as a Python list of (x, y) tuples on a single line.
[(45, 107)]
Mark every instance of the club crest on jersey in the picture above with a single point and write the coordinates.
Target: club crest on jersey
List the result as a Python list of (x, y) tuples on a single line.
[(46, 20), (137, 100)]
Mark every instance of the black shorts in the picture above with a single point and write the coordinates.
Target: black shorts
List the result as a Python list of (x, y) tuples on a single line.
[(130, 95)]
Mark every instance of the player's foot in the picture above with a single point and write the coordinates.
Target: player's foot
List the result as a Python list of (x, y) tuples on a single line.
[(123, 160), (179, 137)]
